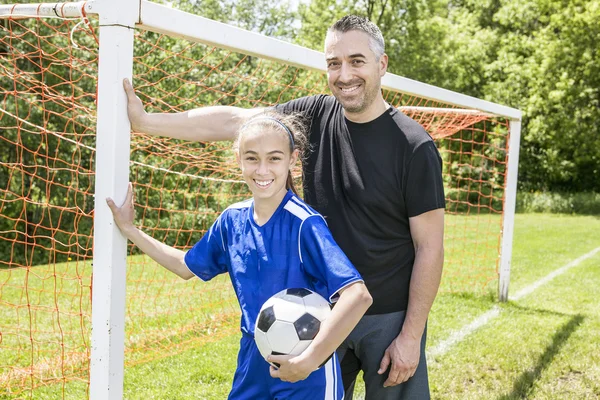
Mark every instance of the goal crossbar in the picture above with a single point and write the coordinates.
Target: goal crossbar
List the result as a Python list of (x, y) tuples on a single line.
[(166, 20), (160, 19)]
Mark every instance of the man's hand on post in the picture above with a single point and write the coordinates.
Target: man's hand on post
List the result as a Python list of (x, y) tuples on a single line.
[(135, 108)]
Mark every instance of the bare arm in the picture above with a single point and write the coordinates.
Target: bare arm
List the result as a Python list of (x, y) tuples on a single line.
[(427, 232), (213, 123), (167, 256), (353, 303)]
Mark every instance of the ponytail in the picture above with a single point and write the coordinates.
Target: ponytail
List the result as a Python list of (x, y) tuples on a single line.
[(290, 183)]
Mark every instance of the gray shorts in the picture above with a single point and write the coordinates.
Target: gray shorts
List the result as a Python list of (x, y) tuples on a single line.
[(363, 350)]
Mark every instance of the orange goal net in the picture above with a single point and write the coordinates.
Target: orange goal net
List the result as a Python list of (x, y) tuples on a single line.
[(48, 97)]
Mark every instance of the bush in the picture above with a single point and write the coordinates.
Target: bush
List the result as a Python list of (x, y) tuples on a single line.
[(567, 203)]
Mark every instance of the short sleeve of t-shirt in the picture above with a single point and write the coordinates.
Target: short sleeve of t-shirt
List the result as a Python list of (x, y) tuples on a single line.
[(304, 105), (309, 107), (425, 188), (207, 258), (323, 260)]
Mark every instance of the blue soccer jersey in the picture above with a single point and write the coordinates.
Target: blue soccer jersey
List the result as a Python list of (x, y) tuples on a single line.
[(294, 248)]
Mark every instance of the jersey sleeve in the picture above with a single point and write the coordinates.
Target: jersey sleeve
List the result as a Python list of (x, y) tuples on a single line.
[(323, 259), (207, 258), (425, 187)]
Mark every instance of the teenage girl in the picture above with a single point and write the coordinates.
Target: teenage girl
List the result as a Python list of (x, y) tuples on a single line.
[(268, 243)]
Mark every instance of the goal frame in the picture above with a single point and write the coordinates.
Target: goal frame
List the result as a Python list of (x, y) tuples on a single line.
[(118, 20)]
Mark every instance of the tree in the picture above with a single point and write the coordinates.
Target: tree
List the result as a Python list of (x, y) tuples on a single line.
[(536, 55), (548, 65)]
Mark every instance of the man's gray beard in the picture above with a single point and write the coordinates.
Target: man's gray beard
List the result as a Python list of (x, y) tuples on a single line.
[(364, 104)]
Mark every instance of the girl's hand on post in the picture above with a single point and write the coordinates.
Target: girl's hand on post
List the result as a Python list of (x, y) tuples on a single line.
[(123, 215)]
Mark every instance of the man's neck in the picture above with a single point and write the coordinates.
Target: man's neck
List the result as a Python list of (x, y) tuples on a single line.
[(371, 113)]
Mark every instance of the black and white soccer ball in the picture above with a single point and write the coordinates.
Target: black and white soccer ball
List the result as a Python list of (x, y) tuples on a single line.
[(289, 321)]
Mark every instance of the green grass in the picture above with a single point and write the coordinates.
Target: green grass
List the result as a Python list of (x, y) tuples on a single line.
[(544, 346), (45, 321)]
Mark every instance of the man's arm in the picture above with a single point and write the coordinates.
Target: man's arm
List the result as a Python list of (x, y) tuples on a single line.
[(427, 231), (213, 123)]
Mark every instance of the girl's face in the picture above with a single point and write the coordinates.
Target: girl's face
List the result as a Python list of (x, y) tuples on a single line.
[(265, 159)]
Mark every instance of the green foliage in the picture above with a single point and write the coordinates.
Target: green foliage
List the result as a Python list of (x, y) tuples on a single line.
[(540, 56), (584, 203), (536, 55), (47, 176), (548, 66), (47, 145), (272, 18)]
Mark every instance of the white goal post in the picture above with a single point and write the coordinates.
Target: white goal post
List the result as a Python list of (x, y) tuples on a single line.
[(118, 19)]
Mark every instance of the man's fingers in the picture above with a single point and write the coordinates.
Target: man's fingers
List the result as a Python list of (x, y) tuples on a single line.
[(399, 373), (391, 380), (412, 373), (128, 87), (385, 363), (129, 196), (395, 378), (398, 376)]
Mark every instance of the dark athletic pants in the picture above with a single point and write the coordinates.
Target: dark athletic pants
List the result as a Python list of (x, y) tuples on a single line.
[(363, 350)]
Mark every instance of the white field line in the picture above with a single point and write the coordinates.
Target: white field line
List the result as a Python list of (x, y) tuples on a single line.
[(457, 336)]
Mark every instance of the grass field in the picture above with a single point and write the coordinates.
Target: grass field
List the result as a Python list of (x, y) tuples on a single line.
[(545, 345)]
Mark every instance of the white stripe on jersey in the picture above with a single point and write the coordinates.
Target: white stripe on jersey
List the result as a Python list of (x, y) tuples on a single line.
[(301, 213), (330, 384), (297, 210), (302, 204), (300, 210)]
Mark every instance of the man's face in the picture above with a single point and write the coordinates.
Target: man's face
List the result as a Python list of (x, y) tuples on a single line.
[(353, 71)]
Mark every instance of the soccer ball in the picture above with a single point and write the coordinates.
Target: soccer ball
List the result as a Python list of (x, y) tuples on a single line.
[(289, 321)]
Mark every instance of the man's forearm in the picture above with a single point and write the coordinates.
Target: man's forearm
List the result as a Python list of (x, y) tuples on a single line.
[(424, 284), (201, 124), (211, 123)]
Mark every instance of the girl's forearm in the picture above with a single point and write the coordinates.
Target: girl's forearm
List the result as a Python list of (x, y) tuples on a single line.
[(167, 256), (354, 301)]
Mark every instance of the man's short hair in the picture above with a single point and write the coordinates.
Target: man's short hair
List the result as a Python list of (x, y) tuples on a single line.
[(356, 23)]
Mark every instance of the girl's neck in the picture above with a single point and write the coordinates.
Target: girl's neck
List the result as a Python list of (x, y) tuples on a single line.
[(265, 208)]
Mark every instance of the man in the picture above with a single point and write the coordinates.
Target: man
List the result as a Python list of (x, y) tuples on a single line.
[(375, 174)]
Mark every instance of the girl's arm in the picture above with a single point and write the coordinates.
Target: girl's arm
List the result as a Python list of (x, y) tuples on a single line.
[(353, 302), (167, 256)]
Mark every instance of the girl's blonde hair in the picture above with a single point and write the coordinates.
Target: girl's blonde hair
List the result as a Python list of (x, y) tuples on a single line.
[(293, 125)]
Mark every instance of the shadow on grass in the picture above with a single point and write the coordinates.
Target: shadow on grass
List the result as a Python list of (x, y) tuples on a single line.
[(523, 385), (511, 305), (486, 297)]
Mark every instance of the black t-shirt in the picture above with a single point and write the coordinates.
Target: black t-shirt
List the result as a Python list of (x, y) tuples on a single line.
[(367, 179)]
